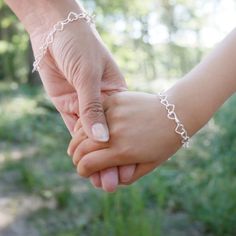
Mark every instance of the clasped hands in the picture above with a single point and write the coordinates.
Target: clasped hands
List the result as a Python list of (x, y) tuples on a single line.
[(83, 80), (78, 77), (140, 135)]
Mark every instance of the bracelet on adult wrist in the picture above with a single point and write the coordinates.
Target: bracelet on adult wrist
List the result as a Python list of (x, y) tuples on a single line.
[(180, 129), (59, 26)]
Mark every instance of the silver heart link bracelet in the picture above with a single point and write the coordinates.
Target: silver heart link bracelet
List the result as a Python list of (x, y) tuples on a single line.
[(180, 129), (59, 26)]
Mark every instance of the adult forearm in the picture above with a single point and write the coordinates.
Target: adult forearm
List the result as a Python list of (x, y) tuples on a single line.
[(199, 95), (41, 15)]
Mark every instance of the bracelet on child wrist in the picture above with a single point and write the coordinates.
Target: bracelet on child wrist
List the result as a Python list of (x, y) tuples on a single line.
[(180, 130), (59, 26)]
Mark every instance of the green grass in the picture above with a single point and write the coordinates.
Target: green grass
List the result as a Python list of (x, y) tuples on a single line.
[(195, 190)]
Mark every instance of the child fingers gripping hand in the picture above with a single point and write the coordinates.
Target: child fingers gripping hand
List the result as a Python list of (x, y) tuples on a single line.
[(140, 134), (81, 145)]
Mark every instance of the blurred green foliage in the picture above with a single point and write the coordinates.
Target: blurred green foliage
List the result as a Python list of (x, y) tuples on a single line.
[(192, 194), (13, 47), (131, 30)]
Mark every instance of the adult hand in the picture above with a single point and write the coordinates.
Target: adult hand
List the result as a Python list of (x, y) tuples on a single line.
[(75, 73)]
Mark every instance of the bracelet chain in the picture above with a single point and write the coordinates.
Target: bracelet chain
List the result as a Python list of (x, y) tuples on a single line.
[(172, 116), (59, 26)]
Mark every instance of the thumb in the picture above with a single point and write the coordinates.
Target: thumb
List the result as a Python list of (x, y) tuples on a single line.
[(91, 110)]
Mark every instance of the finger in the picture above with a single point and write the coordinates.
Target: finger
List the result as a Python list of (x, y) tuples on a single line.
[(62, 94), (78, 125), (95, 180), (142, 170), (85, 147), (70, 121), (101, 160), (94, 161), (78, 138), (110, 179), (113, 74), (91, 109), (126, 173), (107, 179)]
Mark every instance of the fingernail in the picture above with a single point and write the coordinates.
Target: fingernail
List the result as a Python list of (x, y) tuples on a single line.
[(100, 132)]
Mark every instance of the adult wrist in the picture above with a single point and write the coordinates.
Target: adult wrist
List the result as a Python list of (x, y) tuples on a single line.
[(39, 16)]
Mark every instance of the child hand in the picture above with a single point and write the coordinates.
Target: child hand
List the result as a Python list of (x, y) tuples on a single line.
[(107, 179), (140, 133)]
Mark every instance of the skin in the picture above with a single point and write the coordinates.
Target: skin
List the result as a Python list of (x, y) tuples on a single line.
[(134, 118), (76, 88), (128, 135)]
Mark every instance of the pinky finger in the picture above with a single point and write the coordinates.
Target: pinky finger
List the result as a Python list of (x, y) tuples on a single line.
[(95, 180), (142, 170), (126, 173)]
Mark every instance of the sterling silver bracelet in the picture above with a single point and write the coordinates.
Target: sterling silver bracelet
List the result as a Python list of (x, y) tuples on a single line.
[(172, 116), (59, 26)]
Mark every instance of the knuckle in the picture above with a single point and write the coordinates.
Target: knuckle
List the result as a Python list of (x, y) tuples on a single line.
[(114, 132), (93, 109), (111, 102), (78, 155), (84, 168), (116, 113), (117, 131), (114, 117), (83, 134), (80, 172), (115, 100)]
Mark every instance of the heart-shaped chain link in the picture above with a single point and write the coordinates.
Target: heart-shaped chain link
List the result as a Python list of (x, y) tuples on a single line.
[(74, 16), (58, 26), (179, 129), (172, 116), (170, 108)]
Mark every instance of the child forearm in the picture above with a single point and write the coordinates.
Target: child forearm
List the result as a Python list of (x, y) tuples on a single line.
[(199, 95)]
